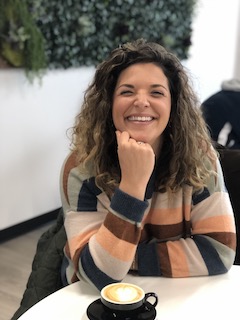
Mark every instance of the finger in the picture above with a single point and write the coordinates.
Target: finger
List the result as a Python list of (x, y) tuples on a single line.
[(118, 134), (125, 136), (122, 137)]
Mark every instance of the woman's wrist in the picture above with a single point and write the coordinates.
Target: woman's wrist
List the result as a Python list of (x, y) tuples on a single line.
[(135, 191)]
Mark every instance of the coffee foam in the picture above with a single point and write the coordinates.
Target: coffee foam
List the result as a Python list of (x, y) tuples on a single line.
[(123, 293)]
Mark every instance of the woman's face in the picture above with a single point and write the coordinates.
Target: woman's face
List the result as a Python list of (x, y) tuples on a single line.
[(142, 103)]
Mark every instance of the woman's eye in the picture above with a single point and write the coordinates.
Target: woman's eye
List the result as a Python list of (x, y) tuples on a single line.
[(157, 93), (126, 92)]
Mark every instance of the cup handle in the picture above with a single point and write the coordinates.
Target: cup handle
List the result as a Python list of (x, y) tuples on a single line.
[(152, 294)]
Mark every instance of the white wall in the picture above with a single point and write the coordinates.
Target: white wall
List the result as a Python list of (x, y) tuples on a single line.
[(34, 119), (213, 54), (33, 139), (237, 56)]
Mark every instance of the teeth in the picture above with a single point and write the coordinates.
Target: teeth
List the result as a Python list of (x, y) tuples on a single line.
[(134, 118)]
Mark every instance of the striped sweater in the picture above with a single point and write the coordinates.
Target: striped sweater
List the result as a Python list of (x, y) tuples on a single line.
[(183, 234)]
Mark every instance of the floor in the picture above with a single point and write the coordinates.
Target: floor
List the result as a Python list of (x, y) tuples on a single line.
[(16, 257)]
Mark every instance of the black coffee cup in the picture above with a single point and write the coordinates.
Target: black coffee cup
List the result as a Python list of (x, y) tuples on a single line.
[(125, 297)]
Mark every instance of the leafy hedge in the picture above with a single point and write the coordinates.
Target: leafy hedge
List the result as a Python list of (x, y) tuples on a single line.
[(83, 32), (40, 34)]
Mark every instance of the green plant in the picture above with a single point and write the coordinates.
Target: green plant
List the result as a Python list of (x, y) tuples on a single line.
[(84, 32), (21, 42), (36, 34)]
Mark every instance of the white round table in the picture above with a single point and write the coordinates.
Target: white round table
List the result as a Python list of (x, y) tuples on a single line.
[(205, 298)]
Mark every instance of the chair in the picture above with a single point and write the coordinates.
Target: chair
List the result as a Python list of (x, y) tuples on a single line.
[(230, 161)]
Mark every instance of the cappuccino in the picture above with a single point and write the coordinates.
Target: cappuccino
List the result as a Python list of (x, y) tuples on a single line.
[(125, 297), (123, 293)]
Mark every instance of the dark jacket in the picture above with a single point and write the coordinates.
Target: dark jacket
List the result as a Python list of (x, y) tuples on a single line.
[(221, 112), (45, 277)]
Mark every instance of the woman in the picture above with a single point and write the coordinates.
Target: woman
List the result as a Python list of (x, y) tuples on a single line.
[(142, 188)]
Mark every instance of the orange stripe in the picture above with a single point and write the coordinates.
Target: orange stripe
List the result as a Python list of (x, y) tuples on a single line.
[(178, 260), (111, 243), (214, 224), (78, 242), (167, 216), (69, 165)]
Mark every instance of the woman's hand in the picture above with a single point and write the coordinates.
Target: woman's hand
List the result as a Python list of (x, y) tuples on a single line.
[(136, 161)]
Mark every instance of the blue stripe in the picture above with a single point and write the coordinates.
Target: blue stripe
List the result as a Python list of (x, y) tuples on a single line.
[(87, 198), (210, 256), (148, 264), (97, 277), (128, 206), (198, 197)]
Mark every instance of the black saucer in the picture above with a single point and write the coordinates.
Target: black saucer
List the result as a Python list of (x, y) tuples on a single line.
[(97, 311)]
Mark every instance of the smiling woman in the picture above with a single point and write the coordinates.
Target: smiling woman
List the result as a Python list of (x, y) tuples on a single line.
[(142, 188)]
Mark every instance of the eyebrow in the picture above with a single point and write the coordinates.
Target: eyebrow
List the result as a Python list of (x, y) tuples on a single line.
[(152, 86)]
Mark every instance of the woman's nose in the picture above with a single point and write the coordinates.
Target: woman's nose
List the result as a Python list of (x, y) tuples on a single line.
[(141, 101)]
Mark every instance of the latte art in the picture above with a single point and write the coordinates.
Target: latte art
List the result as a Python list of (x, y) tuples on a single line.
[(125, 297), (123, 293)]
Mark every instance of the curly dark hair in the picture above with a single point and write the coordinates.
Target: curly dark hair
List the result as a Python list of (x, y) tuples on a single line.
[(186, 155)]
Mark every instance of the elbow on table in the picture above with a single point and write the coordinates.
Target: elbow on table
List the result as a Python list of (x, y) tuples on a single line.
[(227, 259)]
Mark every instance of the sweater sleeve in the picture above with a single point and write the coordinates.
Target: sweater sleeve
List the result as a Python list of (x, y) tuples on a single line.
[(102, 234), (207, 248)]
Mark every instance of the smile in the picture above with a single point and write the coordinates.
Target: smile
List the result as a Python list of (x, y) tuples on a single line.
[(137, 118)]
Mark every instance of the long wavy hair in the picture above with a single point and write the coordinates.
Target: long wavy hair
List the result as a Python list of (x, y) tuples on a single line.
[(186, 152)]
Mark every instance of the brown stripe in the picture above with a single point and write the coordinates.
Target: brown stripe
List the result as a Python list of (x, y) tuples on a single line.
[(164, 260), (122, 229), (67, 250), (188, 228), (163, 232), (226, 238), (74, 278), (69, 165), (76, 258), (144, 235)]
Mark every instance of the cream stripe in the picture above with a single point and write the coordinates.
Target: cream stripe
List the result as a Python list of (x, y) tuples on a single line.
[(81, 222), (215, 205), (175, 200), (194, 258), (74, 185), (108, 264)]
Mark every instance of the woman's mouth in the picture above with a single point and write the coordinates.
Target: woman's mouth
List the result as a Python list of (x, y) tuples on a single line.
[(140, 119)]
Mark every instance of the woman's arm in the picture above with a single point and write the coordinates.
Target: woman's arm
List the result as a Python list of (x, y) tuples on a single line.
[(102, 234), (208, 244)]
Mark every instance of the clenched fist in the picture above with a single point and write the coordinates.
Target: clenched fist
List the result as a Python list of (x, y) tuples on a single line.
[(136, 161)]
